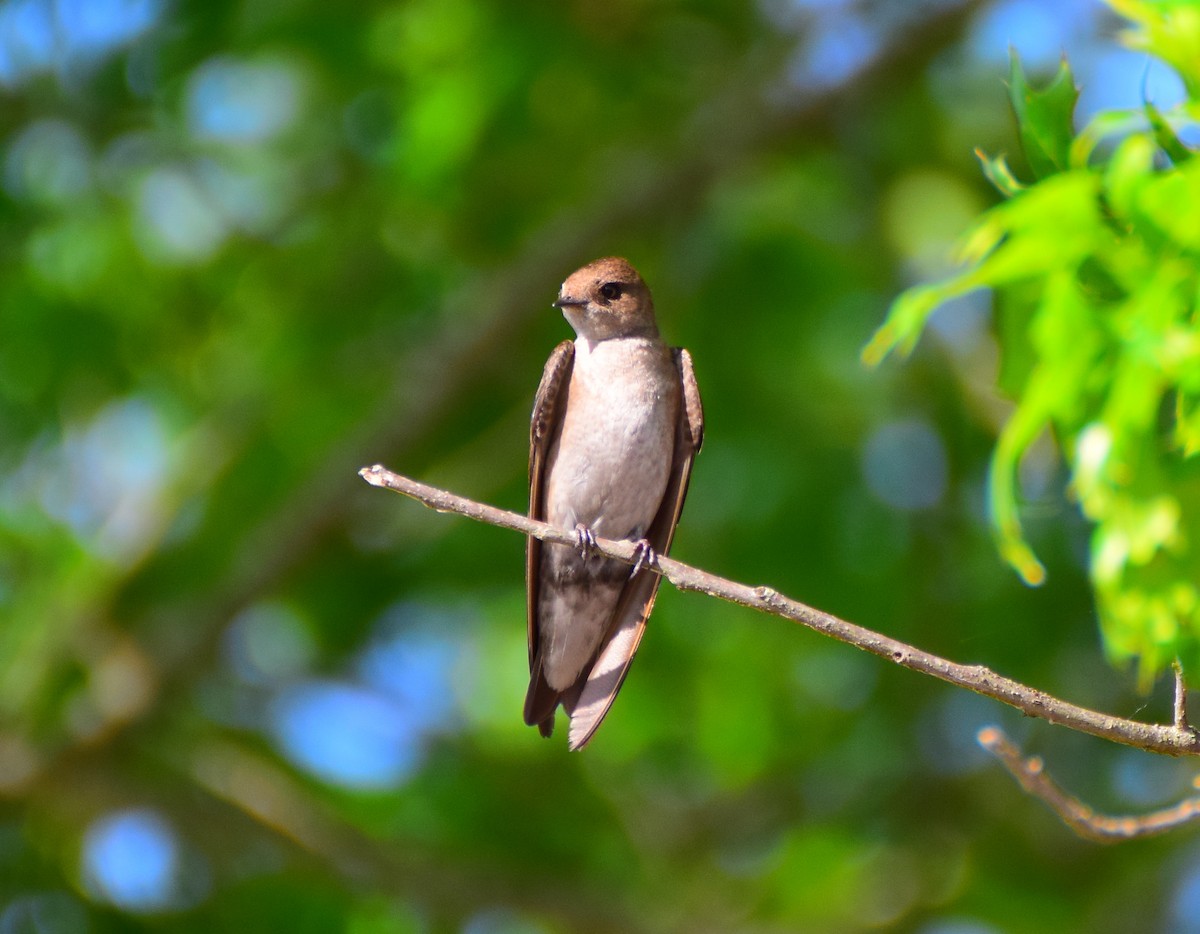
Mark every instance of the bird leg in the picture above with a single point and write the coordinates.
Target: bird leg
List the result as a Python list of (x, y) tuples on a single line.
[(585, 541), (645, 554)]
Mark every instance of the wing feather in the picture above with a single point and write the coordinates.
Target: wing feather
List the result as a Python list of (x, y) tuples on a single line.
[(541, 699), (607, 673)]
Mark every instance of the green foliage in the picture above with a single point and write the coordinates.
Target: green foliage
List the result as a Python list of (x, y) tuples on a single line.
[(1044, 117), (256, 245), (1095, 272)]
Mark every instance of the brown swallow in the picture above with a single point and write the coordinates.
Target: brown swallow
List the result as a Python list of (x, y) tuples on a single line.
[(616, 423)]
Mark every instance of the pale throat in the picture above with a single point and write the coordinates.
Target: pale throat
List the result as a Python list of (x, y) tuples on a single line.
[(595, 329)]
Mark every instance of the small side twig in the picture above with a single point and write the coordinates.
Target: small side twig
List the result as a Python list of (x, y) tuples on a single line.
[(1181, 718), (1168, 739), (1031, 775)]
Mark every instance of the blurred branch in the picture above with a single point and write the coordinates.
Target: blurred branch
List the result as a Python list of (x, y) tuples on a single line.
[(1031, 775), (1173, 739), (255, 785)]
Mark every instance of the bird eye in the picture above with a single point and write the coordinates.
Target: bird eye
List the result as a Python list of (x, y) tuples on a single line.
[(610, 290)]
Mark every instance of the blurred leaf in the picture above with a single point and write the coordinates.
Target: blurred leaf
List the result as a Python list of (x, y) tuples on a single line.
[(998, 173), (1096, 277), (1044, 117), (1169, 29), (1165, 135)]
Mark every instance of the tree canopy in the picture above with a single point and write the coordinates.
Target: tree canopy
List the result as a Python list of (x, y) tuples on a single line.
[(247, 248)]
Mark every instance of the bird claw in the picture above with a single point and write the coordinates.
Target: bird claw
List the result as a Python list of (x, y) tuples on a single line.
[(645, 554), (585, 541)]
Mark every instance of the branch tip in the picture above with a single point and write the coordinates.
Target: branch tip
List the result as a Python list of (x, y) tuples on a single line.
[(1181, 718), (1083, 819), (374, 474)]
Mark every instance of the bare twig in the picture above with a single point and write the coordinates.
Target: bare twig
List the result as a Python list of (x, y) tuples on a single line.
[(1031, 775), (1181, 720), (1173, 739)]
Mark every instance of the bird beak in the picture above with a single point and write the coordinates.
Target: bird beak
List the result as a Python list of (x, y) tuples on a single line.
[(565, 301)]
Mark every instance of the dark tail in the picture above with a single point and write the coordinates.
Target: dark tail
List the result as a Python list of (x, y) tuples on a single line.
[(541, 701)]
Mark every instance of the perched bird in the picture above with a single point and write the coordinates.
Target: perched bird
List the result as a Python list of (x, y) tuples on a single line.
[(616, 423)]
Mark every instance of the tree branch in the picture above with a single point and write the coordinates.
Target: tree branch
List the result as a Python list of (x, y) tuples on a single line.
[(1172, 740), (258, 787), (1031, 775)]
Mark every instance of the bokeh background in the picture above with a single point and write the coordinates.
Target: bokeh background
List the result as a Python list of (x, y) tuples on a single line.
[(247, 247)]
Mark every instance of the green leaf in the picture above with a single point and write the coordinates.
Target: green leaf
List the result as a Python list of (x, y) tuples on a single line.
[(1169, 30), (1165, 135), (999, 174), (907, 316), (1187, 423), (1102, 126), (1012, 310), (1029, 420), (1044, 118)]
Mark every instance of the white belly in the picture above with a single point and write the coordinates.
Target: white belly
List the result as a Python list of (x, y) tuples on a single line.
[(607, 470), (611, 463)]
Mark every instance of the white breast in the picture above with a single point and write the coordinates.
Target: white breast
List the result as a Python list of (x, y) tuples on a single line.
[(611, 463)]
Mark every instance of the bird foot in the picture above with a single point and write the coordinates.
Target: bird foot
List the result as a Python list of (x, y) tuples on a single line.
[(645, 554), (585, 541)]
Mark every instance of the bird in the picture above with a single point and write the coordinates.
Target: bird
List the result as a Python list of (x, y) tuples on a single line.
[(616, 423)]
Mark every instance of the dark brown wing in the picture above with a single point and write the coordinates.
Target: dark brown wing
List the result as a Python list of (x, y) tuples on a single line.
[(543, 426), (608, 672)]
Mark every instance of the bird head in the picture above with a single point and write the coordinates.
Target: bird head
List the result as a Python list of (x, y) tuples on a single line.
[(607, 299)]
